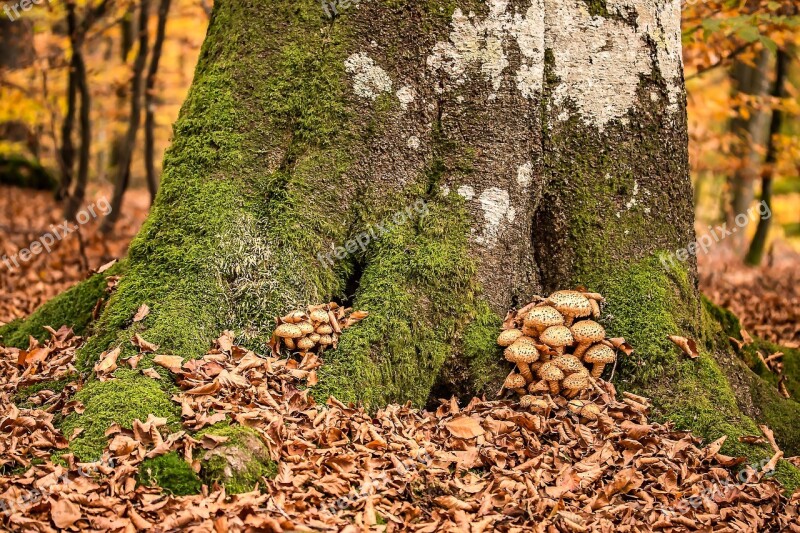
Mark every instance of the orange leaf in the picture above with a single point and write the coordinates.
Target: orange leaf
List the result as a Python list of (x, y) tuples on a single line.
[(464, 427)]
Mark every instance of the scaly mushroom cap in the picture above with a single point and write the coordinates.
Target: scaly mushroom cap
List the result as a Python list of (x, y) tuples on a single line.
[(325, 340), (288, 331), (526, 401), (319, 315), (294, 317), (585, 409), (324, 329), (508, 337), (557, 336), (515, 381), (305, 327), (543, 317), (599, 353), (588, 331), (569, 364), (550, 372), (570, 303), (305, 344), (538, 386), (521, 352), (576, 382), (314, 337)]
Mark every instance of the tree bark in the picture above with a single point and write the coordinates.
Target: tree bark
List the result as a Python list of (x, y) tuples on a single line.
[(433, 166)]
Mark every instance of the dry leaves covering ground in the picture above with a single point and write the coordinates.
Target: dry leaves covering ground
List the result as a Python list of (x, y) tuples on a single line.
[(25, 216), (766, 299), (489, 466)]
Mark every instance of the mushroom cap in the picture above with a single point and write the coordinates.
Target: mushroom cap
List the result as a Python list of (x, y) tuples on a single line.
[(315, 337), (588, 331), (583, 408), (305, 343), (305, 327), (570, 303), (556, 336), (522, 352), (324, 329), (543, 317), (515, 381), (599, 353), (294, 317), (319, 315), (538, 386), (577, 381), (288, 331), (508, 337), (526, 401), (550, 372), (325, 340), (569, 364)]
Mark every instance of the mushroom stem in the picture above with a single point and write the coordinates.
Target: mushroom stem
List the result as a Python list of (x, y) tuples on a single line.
[(568, 320), (525, 370), (559, 351), (597, 370), (554, 388), (581, 349)]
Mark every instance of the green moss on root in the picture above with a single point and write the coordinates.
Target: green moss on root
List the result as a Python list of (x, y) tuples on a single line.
[(481, 352), (72, 308), (240, 463), (22, 395), (122, 400), (170, 472)]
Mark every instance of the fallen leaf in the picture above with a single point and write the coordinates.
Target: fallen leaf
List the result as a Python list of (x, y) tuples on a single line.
[(464, 427), (170, 362), (140, 315), (64, 513), (689, 346)]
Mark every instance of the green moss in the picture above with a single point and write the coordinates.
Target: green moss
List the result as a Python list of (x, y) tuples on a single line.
[(597, 8), (170, 472), (481, 352), (122, 400), (72, 308), (22, 172), (240, 463)]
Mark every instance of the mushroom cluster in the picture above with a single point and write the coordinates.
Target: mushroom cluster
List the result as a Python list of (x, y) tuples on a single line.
[(553, 352), (313, 330)]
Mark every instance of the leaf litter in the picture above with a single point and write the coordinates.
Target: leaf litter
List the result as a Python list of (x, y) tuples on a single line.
[(486, 466)]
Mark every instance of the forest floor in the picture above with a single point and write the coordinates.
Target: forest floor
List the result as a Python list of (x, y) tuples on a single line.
[(490, 465)]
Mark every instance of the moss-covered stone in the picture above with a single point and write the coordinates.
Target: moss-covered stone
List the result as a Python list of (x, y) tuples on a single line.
[(170, 472), (127, 397), (72, 308), (240, 463), (23, 172)]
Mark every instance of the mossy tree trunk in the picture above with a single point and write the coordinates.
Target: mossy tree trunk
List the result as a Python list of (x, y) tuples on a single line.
[(434, 163)]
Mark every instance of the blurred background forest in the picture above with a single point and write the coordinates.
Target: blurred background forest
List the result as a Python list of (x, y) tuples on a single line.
[(89, 91)]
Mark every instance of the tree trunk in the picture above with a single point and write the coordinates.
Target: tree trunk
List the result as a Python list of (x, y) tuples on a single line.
[(434, 166), (150, 100)]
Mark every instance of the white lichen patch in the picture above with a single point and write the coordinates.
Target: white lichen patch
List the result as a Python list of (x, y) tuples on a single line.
[(600, 60), (525, 175), (406, 95), (413, 142), (482, 43), (369, 80), (496, 206), (467, 192)]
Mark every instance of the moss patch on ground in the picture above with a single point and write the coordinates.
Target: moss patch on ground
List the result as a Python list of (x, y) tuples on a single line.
[(127, 397), (22, 395), (72, 308), (240, 463), (170, 472)]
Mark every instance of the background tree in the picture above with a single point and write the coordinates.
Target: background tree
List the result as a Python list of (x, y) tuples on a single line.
[(548, 141)]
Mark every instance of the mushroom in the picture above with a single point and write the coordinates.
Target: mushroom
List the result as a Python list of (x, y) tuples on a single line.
[(571, 304), (319, 315), (315, 337), (288, 331), (532, 403), (516, 383), (586, 333), (574, 383), (305, 327), (325, 340), (539, 386), (541, 318), (599, 356), (569, 364), (585, 409), (508, 337), (305, 344), (522, 353), (552, 375), (294, 317), (557, 337), (324, 329)]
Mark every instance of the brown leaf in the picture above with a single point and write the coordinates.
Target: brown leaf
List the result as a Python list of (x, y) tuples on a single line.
[(64, 513), (464, 427), (689, 346), (140, 315), (142, 344), (151, 373), (170, 362), (106, 266), (746, 338), (108, 361)]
